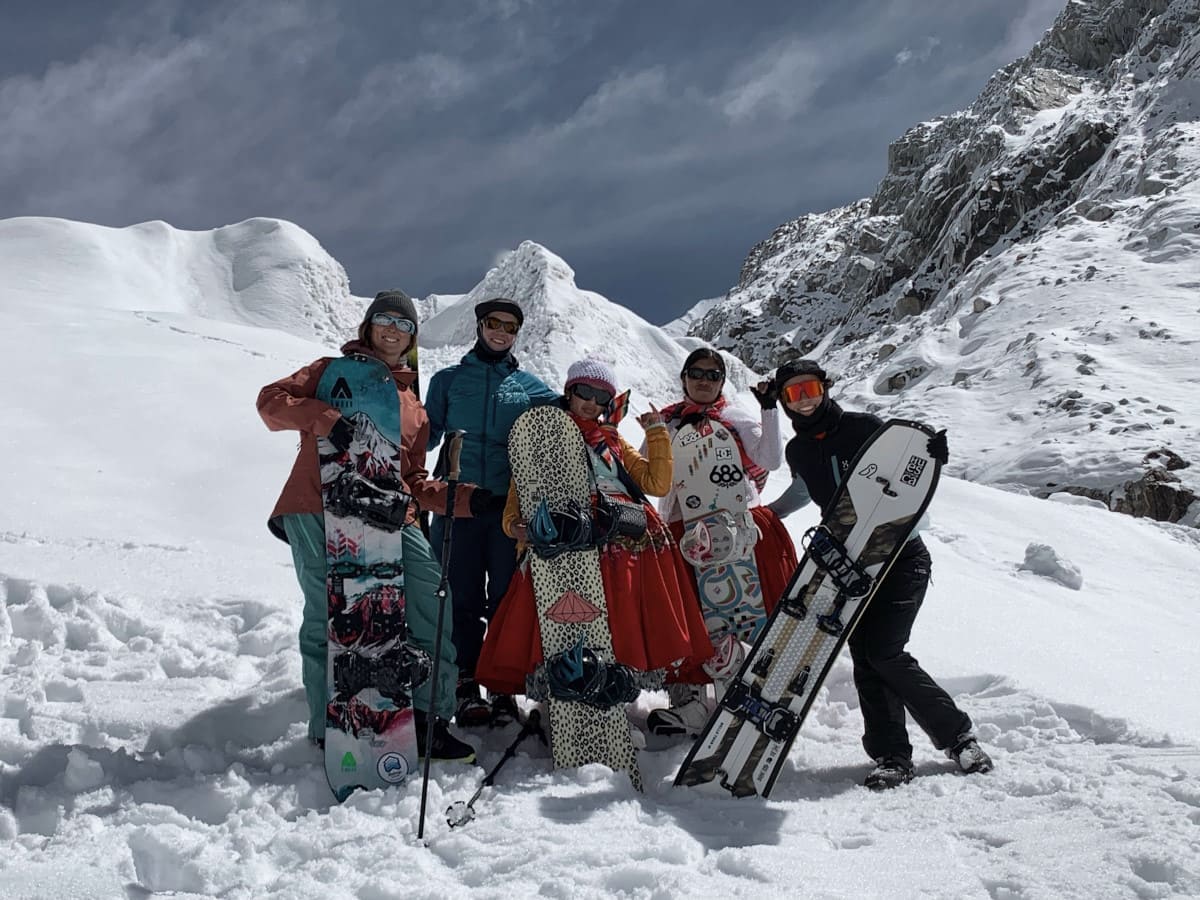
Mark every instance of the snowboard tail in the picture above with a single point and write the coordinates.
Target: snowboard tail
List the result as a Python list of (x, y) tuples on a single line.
[(887, 489)]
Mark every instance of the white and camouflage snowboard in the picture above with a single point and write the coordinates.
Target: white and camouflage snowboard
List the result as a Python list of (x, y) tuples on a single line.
[(370, 739), (719, 533), (549, 464), (887, 489)]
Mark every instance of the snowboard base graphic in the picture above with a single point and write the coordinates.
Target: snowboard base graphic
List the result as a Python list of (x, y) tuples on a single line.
[(719, 534), (370, 739), (549, 467)]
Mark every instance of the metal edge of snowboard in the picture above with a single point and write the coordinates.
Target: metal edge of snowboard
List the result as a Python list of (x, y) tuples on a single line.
[(721, 715)]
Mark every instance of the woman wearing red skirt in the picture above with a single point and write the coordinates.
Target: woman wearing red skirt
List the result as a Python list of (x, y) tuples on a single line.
[(758, 439), (653, 611)]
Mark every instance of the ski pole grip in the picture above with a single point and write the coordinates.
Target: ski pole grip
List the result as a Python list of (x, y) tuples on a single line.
[(454, 450)]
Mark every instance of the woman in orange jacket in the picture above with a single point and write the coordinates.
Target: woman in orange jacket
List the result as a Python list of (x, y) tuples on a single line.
[(388, 332)]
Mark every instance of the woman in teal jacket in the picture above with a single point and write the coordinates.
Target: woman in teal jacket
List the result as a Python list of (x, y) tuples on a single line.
[(482, 396)]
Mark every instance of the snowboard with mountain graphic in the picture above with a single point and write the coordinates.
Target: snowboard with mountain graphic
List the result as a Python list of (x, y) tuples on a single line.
[(550, 469), (370, 738), (887, 488)]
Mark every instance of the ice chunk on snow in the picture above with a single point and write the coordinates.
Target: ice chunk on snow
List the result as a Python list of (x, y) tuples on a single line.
[(1042, 559)]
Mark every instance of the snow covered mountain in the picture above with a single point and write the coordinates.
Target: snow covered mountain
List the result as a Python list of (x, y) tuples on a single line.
[(563, 324), (264, 272), (1026, 272)]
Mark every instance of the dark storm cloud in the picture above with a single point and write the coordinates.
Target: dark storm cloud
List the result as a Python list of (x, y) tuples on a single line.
[(649, 144)]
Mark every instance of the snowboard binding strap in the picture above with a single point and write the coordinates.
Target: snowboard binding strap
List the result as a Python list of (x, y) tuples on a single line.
[(553, 533), (578, 674), (394, 673), (353, 496), (833, 559)]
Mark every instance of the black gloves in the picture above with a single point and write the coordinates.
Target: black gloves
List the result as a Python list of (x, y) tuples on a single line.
[(341, 434), (937, 447), (768, 396), (484, 501)]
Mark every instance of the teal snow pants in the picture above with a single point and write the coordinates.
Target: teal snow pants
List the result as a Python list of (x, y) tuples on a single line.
[(306, 535)]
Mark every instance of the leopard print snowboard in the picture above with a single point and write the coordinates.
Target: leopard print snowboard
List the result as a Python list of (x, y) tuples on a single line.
[(547, 452)]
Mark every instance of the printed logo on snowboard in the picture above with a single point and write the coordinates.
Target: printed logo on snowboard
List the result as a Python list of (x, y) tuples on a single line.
[(690, 438), (725, 476), (692, 501), (724, 453), (571, 609), (869, 471), (914, 469), (349, 763), (392, 768), (341, 396)]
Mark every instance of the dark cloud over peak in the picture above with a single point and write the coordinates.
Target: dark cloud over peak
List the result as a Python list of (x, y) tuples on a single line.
[(650, 144)]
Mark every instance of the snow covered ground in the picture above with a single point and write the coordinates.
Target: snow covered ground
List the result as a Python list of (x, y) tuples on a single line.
[(152, 736)]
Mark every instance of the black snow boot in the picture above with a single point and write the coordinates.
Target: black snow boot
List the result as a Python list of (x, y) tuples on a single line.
[(473, 711), (970, 757), (889, 772), (446, 747), (504, 710)]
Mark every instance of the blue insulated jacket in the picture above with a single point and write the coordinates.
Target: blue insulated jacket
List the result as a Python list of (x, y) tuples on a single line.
[(483, 399)]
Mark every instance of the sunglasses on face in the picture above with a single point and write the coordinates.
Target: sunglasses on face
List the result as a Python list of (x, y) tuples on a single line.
[(587, 392), (403, 324), (491, 323), (801, 390), (713, 375)]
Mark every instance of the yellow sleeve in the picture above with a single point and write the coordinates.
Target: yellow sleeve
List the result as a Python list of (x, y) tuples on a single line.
[(653, 472), (512, 510)]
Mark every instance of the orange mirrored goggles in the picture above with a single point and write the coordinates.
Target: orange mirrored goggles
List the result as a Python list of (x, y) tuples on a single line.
[(800, 390), (493, 324)]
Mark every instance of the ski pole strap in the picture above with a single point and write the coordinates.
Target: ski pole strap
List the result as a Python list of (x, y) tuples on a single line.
[(455, 451)]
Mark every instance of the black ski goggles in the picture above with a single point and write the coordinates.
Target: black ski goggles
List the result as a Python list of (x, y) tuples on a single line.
[(596, 395), (704, 374), (384, 319)]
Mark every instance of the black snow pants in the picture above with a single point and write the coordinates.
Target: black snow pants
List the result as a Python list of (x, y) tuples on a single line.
[(888, 678)]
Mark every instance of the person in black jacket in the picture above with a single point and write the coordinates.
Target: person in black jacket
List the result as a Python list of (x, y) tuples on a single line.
[(889, 680)]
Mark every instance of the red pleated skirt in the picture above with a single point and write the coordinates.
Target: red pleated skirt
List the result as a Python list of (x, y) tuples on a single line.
[(653, 611)]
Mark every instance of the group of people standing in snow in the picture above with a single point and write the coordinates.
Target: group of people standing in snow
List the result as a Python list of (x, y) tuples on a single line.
[(654, 611)]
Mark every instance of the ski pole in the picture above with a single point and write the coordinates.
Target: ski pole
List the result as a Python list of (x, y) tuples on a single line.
[(461, 813), (454, 448)]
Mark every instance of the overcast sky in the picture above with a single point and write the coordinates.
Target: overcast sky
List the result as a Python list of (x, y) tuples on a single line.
[(649, 143)]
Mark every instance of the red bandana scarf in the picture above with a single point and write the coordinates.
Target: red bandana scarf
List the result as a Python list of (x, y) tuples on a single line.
[(687, 411), (601, 438)]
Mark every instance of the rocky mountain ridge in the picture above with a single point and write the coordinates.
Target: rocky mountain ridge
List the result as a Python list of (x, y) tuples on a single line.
[(1055, 220)]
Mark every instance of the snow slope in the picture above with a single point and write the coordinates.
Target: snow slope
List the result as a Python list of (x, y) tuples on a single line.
[(152, 736)]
